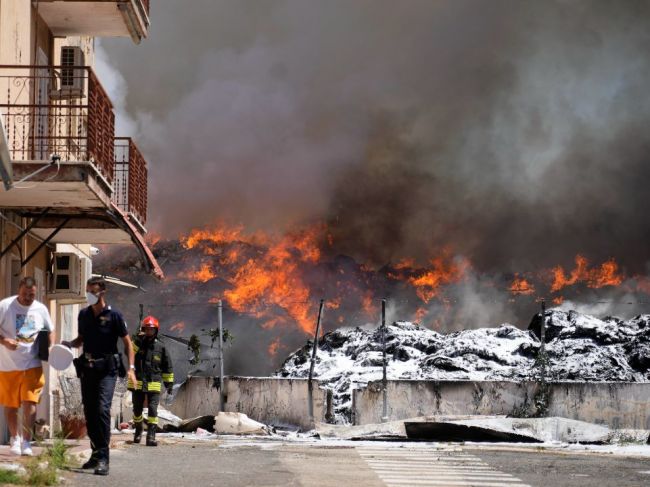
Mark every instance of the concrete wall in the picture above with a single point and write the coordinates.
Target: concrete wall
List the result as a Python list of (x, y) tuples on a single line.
[(269, 400), (617, 405)]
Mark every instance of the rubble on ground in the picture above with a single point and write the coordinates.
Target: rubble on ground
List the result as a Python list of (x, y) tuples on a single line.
[(463, 428)]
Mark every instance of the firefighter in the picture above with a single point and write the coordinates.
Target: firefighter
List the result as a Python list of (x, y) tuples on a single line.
[(153, 368)]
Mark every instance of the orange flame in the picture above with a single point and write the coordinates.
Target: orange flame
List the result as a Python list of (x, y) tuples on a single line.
[(419, 315), (606, 275), (273, 280), (204, 274), (152, 238), (230, 257), (273, 347), (333, 304), (179, 327), (405, 264), (427, 284), (218, 235), (520, 285), (367, 304)]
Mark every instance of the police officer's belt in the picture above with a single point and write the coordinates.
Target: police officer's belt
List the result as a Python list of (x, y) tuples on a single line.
[(99, 361)]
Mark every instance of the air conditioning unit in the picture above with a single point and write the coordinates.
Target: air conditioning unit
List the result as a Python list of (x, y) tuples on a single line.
[(68, 278), (70, 83)]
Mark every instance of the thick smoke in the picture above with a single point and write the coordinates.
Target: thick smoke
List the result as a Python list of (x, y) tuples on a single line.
[(513, 133)]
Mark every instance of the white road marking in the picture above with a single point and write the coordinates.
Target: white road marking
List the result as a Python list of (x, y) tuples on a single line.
[(419, 467)]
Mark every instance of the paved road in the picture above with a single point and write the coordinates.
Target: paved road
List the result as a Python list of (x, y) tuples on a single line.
[(239, 462)]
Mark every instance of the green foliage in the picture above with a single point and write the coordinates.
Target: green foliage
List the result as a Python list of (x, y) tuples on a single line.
[(213, 334), (195, 346), (542, 399), (10, 477), (40, 472), (57, 454)]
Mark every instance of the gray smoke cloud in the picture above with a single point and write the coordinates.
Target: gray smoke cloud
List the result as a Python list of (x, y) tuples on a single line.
[(513, 132)]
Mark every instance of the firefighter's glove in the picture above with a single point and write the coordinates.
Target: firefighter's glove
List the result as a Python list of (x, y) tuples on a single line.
[(170, 388)]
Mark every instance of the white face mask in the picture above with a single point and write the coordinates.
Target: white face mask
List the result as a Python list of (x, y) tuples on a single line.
[(92, 299)]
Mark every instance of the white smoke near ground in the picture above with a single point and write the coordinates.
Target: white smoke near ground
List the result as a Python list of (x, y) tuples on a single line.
[(593, 309), (620, 305)]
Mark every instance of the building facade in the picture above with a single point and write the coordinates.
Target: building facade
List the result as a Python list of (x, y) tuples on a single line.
[(69, 182)]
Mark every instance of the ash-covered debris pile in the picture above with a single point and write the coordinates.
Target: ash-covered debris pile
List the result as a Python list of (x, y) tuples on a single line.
[(579, 347)]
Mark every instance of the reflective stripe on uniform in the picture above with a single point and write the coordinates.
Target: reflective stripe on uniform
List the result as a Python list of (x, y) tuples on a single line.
[(137, 419), (153, 387), (135, 347), (168, 377), (152, 420), (129, 385)]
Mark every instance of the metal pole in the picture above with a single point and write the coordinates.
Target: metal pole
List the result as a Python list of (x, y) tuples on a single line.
[(542, 347), (384, 415), (315, 345), (220, 317), (310, 392)]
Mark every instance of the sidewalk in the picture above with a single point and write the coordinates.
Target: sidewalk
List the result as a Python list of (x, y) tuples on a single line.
[(77, 448)]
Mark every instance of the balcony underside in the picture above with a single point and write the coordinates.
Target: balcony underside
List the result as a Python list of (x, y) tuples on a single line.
[(108, 18), (73, 188), (72, 185), (85, 228), (72, 204), (108, 225)]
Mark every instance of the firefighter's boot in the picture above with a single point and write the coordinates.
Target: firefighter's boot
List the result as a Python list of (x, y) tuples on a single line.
[(137, 435), (151, 435)]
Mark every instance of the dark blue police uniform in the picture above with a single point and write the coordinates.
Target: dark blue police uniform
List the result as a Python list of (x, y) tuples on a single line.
[(99, 373)]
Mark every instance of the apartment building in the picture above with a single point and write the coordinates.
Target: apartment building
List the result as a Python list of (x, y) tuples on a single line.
[(68, 181)]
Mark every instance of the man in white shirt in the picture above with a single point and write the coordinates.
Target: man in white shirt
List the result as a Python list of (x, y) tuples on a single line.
[(21, 372)]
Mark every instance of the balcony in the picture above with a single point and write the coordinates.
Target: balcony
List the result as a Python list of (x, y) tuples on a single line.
[(130, 180), (97, 191), (57, 110), (96, 18)]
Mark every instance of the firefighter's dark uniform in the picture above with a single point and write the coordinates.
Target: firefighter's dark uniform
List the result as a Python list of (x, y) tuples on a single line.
[(98, 371), (153, 368)]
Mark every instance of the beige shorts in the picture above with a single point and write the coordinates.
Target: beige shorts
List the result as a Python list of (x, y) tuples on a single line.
[(21, 385)]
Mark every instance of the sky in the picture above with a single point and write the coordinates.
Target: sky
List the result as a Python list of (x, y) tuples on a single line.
[(513, 133)]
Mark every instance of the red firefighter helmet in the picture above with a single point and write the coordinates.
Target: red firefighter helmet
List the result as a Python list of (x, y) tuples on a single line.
[(150, 322)]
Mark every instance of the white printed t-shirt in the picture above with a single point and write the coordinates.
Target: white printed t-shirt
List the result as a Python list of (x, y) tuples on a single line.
[(22, 323)]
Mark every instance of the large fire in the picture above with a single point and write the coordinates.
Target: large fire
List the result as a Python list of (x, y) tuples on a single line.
[(279, 279)]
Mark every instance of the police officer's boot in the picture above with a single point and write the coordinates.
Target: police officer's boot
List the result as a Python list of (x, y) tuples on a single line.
[(151, 435), (137, 436)]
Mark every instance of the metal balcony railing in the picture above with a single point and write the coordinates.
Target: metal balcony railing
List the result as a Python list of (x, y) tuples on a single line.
[(130, 179), (57, 110)]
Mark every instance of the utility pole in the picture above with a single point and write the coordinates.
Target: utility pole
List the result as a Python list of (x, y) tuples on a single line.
[(310, 391), (542, 347), (542, 395), (384, 415), (220, 321)]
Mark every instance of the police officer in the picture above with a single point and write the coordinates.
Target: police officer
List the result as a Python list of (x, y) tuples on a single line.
[(153, 367), (100, 327)]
